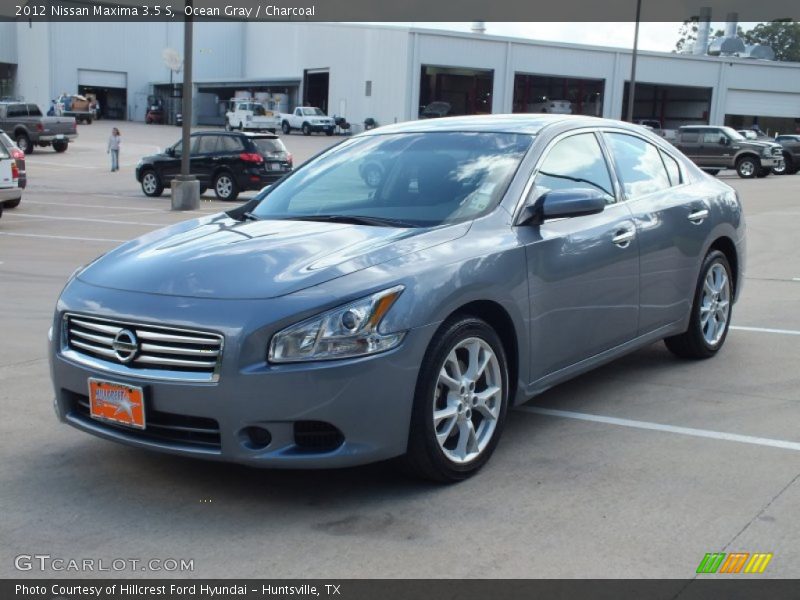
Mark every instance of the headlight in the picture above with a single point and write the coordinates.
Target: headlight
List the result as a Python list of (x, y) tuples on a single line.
[(344, 332), (767, 152)]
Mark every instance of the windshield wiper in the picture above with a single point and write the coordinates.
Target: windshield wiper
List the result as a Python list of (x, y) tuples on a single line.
[(248, 216), (354, 220)]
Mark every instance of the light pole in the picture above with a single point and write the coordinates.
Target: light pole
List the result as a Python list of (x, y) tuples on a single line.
[(186, 188), (632, 85)]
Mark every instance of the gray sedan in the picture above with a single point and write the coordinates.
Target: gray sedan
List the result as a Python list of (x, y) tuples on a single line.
[(330, 322)]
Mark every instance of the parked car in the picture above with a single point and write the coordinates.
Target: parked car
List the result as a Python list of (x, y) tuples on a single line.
[(10, 192), (19, 156), (308, 119), (227, 162), (437, 110), (26, 125), (546, 105), (791, 154), (247, 115), (76, 106), (155, 115), (715, 148), (326, 323)]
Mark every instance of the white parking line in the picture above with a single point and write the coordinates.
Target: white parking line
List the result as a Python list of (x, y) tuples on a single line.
[(107, 221), (60, 237), (766, 330), (106, 206), (703, 433)]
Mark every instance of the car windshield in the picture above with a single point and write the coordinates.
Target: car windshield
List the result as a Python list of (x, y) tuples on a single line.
[(409, 179), (313, 112), (269, 146), (733, 134)]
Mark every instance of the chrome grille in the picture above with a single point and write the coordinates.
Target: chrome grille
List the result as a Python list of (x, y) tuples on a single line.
[(142, 350), (777, 152)]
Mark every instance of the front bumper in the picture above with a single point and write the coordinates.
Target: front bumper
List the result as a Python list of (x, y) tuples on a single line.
[(770, 162), (317, 127), (368, 400)]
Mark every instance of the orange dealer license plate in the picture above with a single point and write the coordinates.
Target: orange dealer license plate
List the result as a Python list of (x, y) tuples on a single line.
[(116, 403)]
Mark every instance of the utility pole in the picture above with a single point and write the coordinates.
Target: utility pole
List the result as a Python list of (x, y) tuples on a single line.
[(186, 188), (632, 85)]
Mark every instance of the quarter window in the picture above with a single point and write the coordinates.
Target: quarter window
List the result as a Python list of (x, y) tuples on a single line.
[(639, 165), (575, 162), (673, 169)]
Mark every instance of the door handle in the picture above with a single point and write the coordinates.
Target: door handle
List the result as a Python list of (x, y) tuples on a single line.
[(623, 237), (698, 216)]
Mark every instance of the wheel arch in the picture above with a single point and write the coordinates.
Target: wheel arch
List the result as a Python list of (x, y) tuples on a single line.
[(727, 246), (500, 320)]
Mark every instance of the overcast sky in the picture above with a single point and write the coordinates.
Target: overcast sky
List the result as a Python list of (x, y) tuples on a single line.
[(652, 36)]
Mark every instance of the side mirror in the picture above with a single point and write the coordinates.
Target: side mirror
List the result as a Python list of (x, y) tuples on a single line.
[(557, 204), (724, 140), (170, 151)]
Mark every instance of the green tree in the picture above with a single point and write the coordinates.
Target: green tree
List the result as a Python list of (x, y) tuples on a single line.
[(783, 35), (687, 35)]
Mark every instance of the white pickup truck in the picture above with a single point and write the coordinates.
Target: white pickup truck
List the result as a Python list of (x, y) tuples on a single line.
[(307, 119), (247, 115), (10, 192)]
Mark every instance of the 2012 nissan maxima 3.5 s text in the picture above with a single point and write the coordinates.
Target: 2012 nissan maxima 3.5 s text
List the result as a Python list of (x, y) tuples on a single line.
[(333, 322)]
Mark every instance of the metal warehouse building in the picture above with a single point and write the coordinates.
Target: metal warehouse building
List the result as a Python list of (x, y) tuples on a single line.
[(386, 73)]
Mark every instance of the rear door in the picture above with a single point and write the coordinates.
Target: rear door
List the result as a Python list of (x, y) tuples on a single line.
[(672, 224)]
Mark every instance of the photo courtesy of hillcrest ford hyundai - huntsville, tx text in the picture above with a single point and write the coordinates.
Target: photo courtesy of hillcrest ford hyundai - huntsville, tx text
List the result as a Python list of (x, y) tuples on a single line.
[(339, 319)]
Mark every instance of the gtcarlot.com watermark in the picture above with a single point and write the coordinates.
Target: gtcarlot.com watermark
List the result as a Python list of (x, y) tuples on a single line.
[(57, 564)]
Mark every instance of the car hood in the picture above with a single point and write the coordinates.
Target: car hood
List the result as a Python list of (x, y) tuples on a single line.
[(760, 144), (220, 257)]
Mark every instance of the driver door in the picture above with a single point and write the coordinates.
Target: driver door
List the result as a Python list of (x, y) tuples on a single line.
[(583, 271)]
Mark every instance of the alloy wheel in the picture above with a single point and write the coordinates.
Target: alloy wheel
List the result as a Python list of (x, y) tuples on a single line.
[(149, 183), (468, 400), (715, 304), (224, 186)]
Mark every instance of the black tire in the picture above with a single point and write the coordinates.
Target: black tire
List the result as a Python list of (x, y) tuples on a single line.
[(425, 458), (785, 169), (151, 184), (60, 146), (306, 129), (285, 128), (763, 172), (24, 143), (692, 344), (747, 167), (88, 121), (11, 203), (225, 186), (711, 171), (329, 132)]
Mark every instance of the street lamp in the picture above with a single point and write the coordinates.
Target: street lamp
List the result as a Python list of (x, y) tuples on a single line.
[(185, 187), (632, 85)]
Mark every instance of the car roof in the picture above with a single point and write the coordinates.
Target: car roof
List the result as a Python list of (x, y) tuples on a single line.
[(247, 134), (530, 123)]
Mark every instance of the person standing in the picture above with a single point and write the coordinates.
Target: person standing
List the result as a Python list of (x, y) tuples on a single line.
[(113, 148)]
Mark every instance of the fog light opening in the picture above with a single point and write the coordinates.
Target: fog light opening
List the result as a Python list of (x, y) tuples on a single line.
[(255, 438), (317, 436)]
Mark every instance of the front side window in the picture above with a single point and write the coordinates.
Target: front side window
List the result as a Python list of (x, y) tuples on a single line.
[(575, 162), (413, 179), (639, 165), (712, 136)]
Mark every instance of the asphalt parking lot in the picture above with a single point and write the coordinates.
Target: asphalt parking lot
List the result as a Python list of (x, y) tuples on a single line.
[(635, 470)]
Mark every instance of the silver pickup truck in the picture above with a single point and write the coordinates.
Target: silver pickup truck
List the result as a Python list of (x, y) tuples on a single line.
[(28, 127)]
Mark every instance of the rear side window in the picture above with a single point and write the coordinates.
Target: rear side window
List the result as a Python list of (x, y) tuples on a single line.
[(575, 162), (673, 170), (230, 143), (639, 165), (17, 110), (34, 111), (689, 136)]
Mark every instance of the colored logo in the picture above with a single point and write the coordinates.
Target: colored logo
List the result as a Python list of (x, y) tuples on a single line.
[(734, 562)]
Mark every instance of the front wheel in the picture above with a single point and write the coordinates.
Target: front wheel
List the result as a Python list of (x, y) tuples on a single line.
[(225, 186), (460, 402), (11, 203), (151, 184), (747, 167), (306, 129), (60, 146), (711, 311)]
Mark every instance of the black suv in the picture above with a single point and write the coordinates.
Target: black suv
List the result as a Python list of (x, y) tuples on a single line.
[(228, 162)]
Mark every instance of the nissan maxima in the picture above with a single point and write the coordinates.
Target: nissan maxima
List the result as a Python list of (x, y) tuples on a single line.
[(330, 322)]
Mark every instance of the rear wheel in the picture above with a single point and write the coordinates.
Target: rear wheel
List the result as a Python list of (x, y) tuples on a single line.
[(225, 186), (24, 143), (151, 184), (747, 167), (763, 172), (60, 146), (711, 311), (460, 402), (711, 171)]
